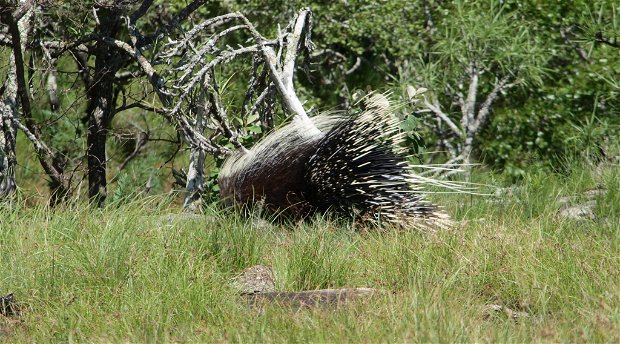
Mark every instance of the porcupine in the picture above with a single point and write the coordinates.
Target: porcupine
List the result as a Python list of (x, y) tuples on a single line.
[(353, 165)]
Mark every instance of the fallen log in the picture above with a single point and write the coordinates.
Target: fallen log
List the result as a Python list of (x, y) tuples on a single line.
[(311, 298)]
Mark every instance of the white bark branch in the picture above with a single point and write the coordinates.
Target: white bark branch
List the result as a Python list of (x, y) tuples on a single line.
[(483, 113), (435, 108), (469, 107), (288, 69)]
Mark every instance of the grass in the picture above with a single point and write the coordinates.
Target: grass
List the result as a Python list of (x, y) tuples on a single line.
[(142, 272)]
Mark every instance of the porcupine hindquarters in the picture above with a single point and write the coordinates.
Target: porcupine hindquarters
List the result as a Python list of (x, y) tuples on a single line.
[(353, 171)]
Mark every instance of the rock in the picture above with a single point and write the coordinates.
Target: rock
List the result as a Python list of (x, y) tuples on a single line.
[(506, 192), (502, 194), (565, 200), (583, 211), (491, 310), (590, 195), (255, 279), (594, 193)]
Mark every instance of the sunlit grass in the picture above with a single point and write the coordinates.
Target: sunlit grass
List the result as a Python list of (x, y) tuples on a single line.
[(143, 271)]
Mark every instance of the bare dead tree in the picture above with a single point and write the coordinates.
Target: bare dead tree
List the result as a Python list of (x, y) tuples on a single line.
[(201, 108), (188, 93), (474, 114), (195, 57), (18, 22), (193, 68), (110, 56)]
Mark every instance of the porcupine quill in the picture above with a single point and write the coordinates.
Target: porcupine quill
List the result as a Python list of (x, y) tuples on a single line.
[(354, 165)]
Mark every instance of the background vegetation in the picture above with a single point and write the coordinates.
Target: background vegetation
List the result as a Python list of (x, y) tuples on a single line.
[(560, 63)]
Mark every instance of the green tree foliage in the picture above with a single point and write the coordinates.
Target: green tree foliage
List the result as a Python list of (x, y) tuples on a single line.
[(566, 77), (575, 105), (478, 53)]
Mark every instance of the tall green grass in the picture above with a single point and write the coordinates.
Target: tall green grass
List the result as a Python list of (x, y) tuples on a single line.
[(143, 272)]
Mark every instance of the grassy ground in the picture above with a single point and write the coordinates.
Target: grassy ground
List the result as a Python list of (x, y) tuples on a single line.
[(141, 272)]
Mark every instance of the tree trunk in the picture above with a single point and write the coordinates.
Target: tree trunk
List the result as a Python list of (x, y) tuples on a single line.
[(101, 105), (99, 116), (8, 111), (195, 180), (49, 160), (196, 170), (8, 115), (59, 193)]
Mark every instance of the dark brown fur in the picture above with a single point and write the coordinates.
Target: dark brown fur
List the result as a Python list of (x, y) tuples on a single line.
[(280, 187)]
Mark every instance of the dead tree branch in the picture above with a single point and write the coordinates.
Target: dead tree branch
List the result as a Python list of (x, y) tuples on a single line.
[(219, 113), (581, 52), (284, 79)]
